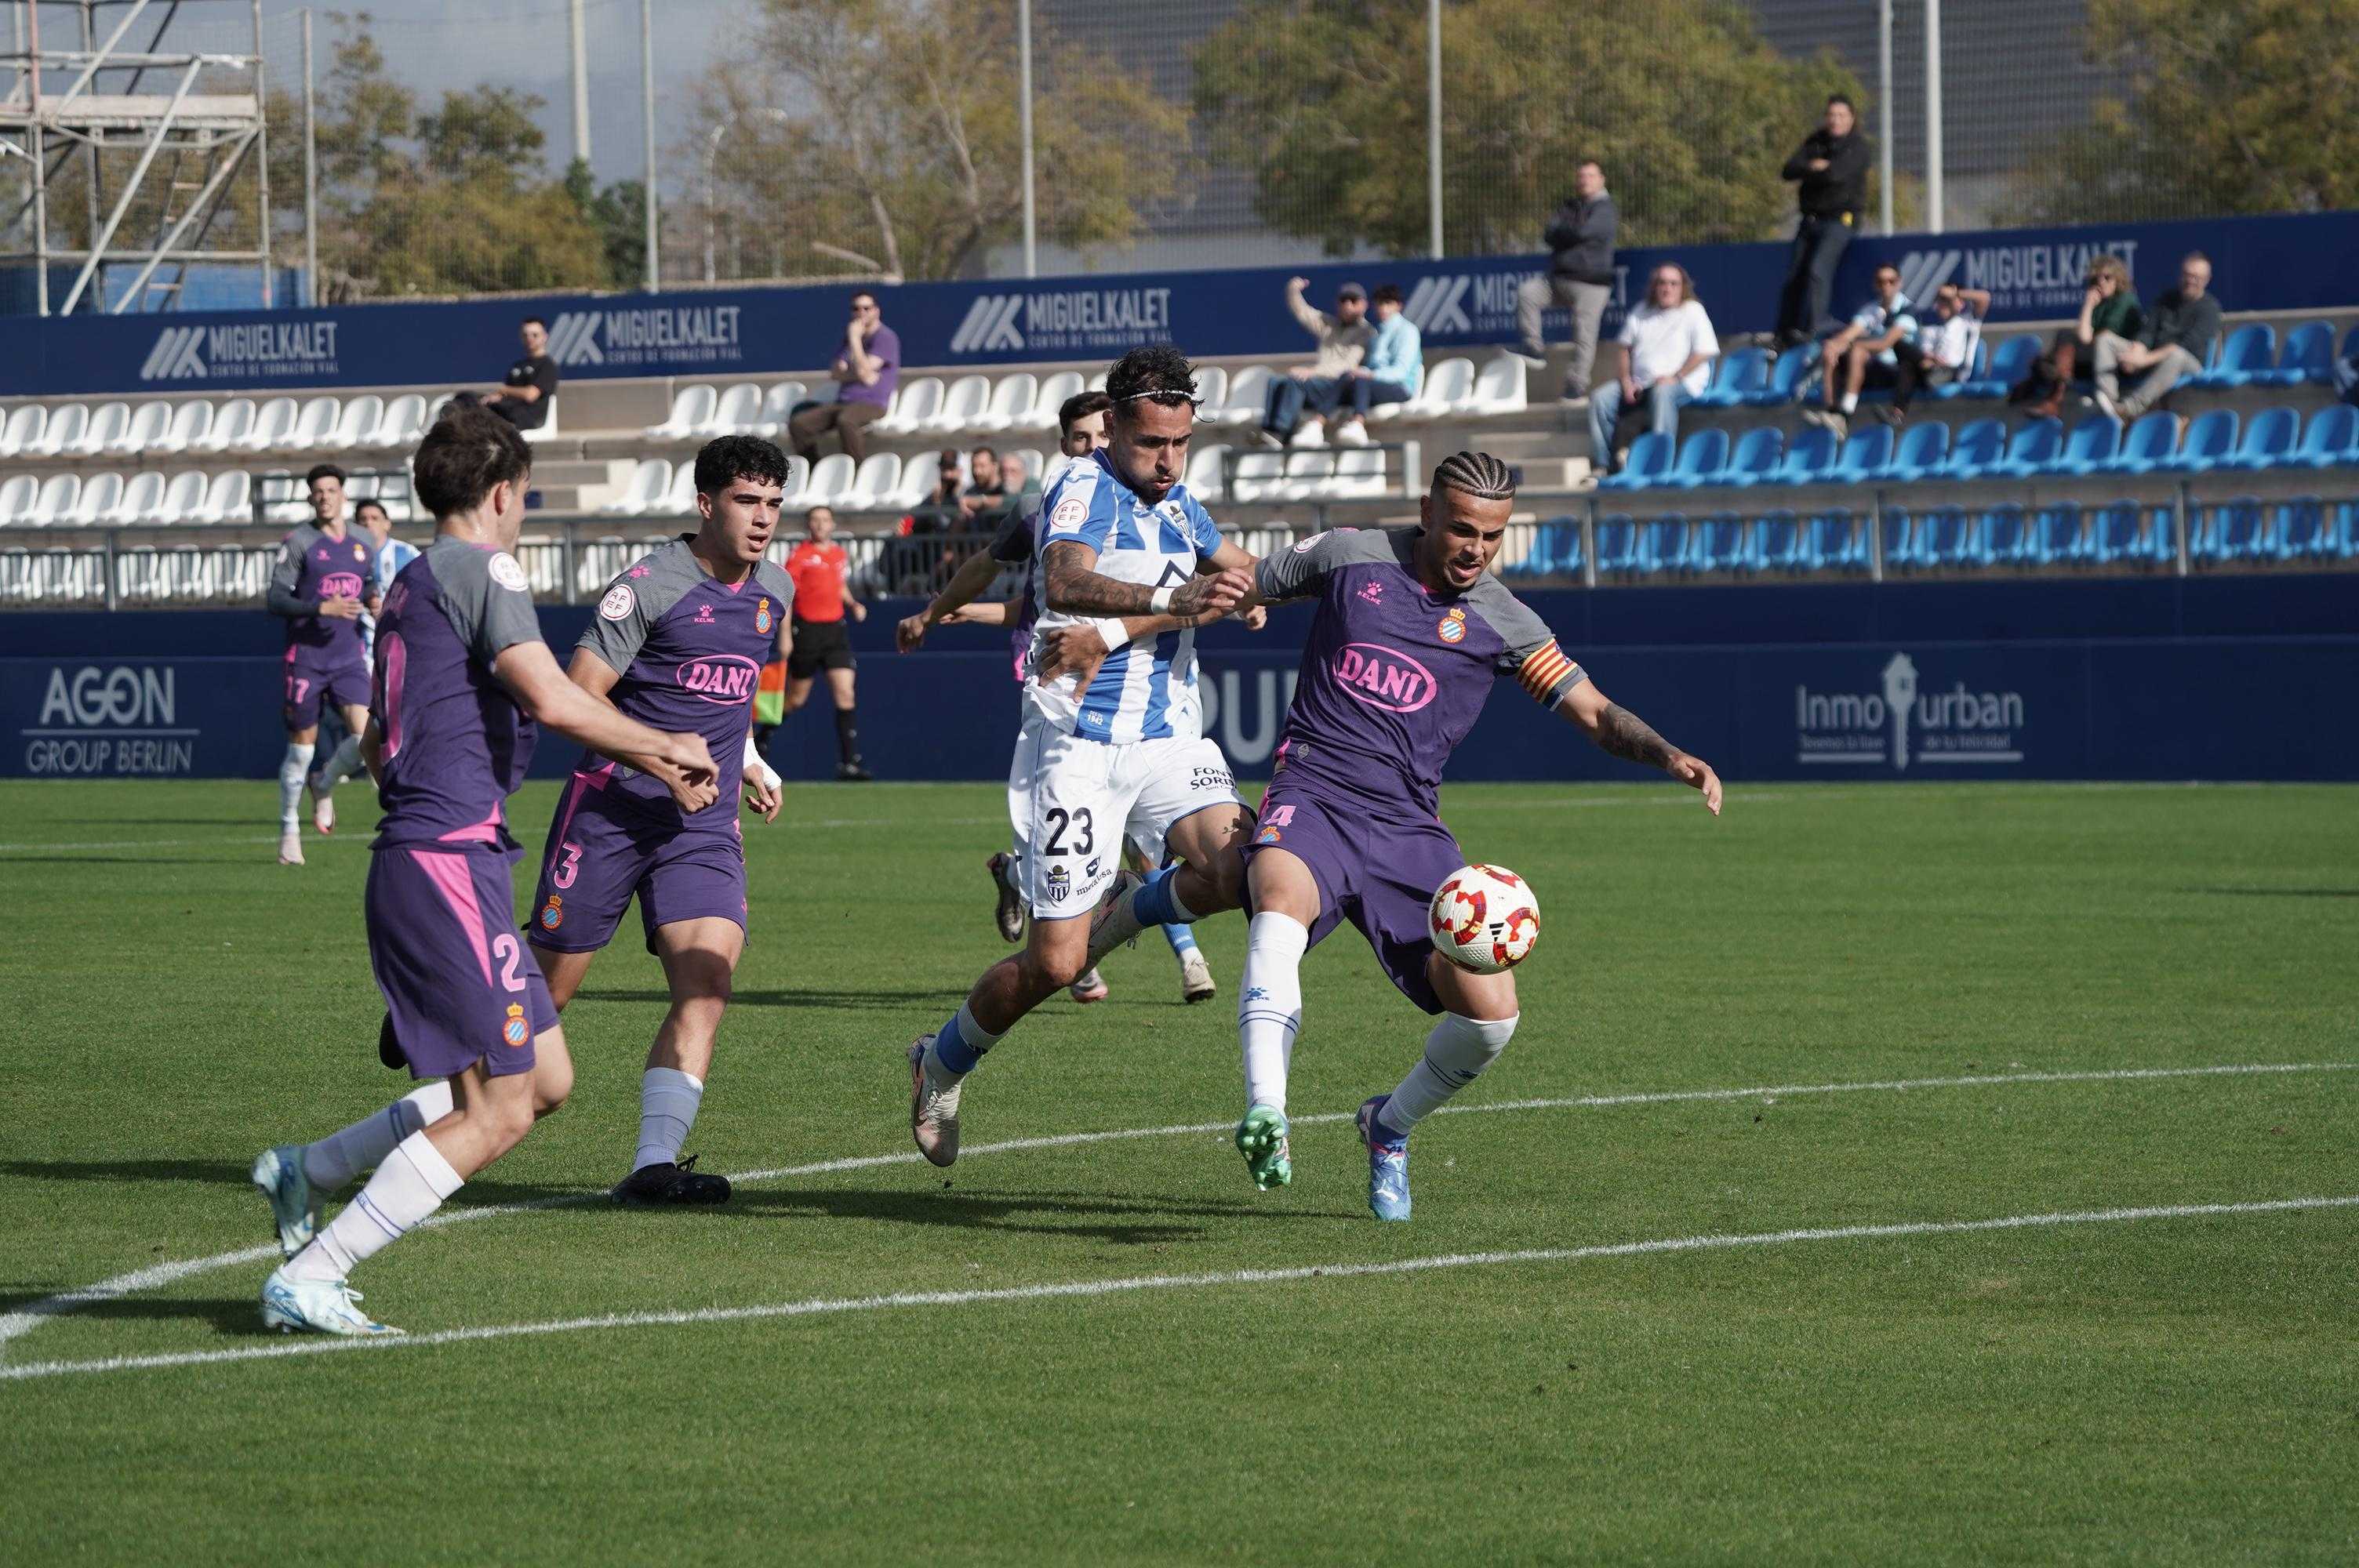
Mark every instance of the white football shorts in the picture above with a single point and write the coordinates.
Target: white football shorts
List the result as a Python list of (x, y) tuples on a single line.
[(1072, 801)]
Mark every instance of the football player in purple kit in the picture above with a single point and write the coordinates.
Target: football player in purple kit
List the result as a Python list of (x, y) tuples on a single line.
[(1410, 632), (324, 579), (678, 643), (462, 680)]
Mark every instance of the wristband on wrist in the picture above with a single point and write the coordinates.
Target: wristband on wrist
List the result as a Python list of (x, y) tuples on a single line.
[(1112, 632), (1162, 603)]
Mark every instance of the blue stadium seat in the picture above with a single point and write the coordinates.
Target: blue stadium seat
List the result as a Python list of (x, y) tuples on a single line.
[(1777, 540), (1831, 542), (1617, 546), (1863, 456), (2210, 436), (2115, 533), (1540, 559), (1719, 543), (2305, 530), (2056, 536), (2267, 442), (2237, 530), (2004, 538), (2146, 444), (1647, 462), (2090, 449), (2009, 364), (2249, 350), (2349, 347), (1785, 378), (1944, 537), (1920, 452), (1977, 374), (1974, 449), (2329, 439), (1663, 547), (1808, 458), (2029, 450), (1740, 371), (2308, 356), (1899, 539), (1701, 458), (1755, 458)]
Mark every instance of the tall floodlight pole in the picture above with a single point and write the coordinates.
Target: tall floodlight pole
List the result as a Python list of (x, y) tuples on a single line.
[(310, 178), (1933, 203), (40, 185), (262, 166), (1884, 113), (580, 83), (647, 115), (1024, 115), (1434, 126)]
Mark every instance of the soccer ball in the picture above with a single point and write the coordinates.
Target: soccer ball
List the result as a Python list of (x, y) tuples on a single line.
[(1483, 918)]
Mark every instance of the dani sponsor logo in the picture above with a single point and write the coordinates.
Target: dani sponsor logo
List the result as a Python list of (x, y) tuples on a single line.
[(724, 678)]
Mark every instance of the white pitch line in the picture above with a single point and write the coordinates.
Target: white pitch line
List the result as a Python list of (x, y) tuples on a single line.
[(25, 1319), (314, 842), (1071, 1290)]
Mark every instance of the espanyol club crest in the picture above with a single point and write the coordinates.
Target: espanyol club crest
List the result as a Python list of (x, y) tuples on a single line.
[(359, 554), (1453, 626), (553, 915), (516, 1031), (763, 619)]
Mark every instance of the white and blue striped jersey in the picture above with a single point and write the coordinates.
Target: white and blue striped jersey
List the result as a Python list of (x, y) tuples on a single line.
[(1145, 690), (391, 556)]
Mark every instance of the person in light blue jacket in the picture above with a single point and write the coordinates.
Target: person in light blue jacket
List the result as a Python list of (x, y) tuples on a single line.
[(1393, 372)]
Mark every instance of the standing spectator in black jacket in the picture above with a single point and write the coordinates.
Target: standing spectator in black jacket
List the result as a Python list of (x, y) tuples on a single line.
[(1831, 171), (1580, 276)]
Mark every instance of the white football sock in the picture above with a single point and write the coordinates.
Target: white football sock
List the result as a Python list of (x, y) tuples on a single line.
[(668, 1102), (1269, 1004), (1455, 1055), (1850, 402), (409, 1185), (291, 769), (342, 764), (335, 1160)]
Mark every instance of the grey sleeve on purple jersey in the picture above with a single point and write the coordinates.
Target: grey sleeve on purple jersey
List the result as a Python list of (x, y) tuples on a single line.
[(288, 571), (771, 578), (635, 601), (486, 599), (1301, 572), (1531, 654)]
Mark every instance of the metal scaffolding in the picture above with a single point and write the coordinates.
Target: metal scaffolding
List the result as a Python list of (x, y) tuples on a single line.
[(194, 120)]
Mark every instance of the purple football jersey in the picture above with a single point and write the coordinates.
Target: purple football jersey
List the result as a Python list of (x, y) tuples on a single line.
[(689, 649), (1394, 675), (312, 567), (456, 744)]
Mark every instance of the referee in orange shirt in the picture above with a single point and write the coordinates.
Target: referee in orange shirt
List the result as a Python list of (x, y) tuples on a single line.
[(814, 638)]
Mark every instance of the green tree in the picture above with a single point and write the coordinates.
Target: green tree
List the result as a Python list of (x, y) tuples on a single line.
[(896, 146), (1324, 101), (619, 214), (2225, 106)]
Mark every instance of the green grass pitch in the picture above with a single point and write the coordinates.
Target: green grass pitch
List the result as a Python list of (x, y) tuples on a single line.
[(2171, 1388)]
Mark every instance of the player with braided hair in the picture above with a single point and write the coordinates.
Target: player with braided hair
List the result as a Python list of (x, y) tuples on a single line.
[(1410, 632)]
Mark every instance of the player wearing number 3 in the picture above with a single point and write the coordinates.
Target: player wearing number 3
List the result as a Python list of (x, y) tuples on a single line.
[(462, 680)]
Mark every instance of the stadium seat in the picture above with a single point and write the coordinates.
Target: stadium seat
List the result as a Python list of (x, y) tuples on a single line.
[(108, 424), (187, 425), (289, 507), (18, 493), (1256, 476), (2350, 348), (735, 412), (1977, 376), (779, 401), (1944, 537), (2305, 530), (1663, 547), (403, 423), (1617, 546), (2116, 533), (1212, 384), (2308, 356), (1307, 474), (2267, 442), (1898, 529), (1359, 474), (1832, 540), (229, 498), (1918, 453), (2009, 362), (874, 484), (1248, 390), (691, 410), (141, 501), (315, 425), (1776, 542), (147, 425), (1717, 544), (1498, 389), (1785, 378), (2005, 538), (2055, 536), (102, 493), (2329, 439), (273, 423), (2210, 436), (963, 403), (913, 407), (829, 478), (1010, 407), (67, 423), (2146, 444), (646, 486), (1740, 371), (2237, 530), (1646, 462), (54, 502), (2248, 351), (679, 497), (1098, 381), (916, 483), (356, 424), (1701, 458), (1808, 458), (1203, 476), (1447, 385), (2029, 450), (1863, 456), (2090, 448), (1974, 449), (21, 433), (1755, 457)]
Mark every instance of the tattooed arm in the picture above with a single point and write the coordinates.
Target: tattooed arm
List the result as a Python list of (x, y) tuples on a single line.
[(1621, 733), (1073, 587)]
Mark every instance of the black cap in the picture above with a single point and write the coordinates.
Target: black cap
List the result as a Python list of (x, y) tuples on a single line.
[(1351, 291)]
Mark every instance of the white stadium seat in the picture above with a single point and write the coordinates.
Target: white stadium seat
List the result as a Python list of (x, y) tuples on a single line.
[(107, 425), (679, 499), (232, 422), (356, 425), (736, 412), (191, 423), (1098, 381), (228, 498), (143, 500), (56, 502), (1051, 397), (963, 404), (315, 427), (1307, 475), (273, 423), (873, 486), (829, 478), (691, 410), (915, 404), (1359, 474), (647, 484), (1203, 476), (291, 506), (22, 432), (100, 495), (548, 430), (184, 495), (1447, 385), (778, 405), (1248, 391), (67, 422), (149, 423), (1258, 476), (16, 495), (1011, 403), (1498, 389), (1211, 390), (403, 423), (916, 482)]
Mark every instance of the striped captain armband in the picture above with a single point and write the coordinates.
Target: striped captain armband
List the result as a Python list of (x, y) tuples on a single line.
[(1548, 675)]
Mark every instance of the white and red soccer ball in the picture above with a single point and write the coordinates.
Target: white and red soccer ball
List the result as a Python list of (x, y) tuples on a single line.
[(1483, 918)]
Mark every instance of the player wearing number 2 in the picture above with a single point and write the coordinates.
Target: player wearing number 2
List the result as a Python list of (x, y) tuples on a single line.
[(461, 679)]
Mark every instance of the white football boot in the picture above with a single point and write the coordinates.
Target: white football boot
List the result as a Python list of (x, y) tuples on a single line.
[(316, 1306), (933, 1103)]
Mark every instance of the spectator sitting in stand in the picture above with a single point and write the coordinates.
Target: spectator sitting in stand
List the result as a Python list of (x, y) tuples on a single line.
[(1940, 353), (1394, 371), (529, 392), (2108, 304), (2346, 377), (1343, 340), (1829, 172), (1863, 354), (866, 369), (1580, 276), (1667, 348), (986, 493), (2178, 335)]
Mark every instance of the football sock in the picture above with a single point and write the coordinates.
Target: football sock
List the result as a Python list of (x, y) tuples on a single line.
[(1157, 902), (1269, 1004), (409, 1185), (963, 1042), (1455, 1055), (1182, 939), (847, 735), (668, 1102), (343, 763), (335, 1160), (291, 769), (1850, 402)]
